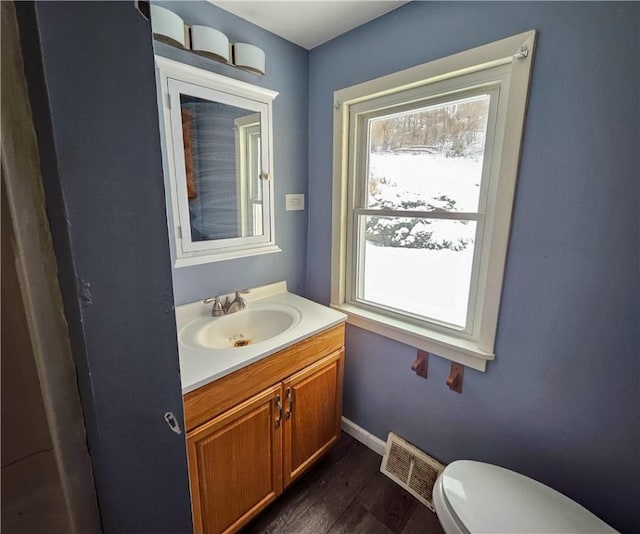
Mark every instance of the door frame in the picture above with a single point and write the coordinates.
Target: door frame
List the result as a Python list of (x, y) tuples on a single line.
[(39, 286)]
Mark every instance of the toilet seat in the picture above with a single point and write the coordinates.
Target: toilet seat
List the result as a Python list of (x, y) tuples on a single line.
[(477, 497)]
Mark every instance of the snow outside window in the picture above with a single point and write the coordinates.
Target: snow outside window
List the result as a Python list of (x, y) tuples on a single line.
[(425, 165)]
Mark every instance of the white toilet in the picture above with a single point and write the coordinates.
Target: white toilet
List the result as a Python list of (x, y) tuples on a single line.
[(474, 497)]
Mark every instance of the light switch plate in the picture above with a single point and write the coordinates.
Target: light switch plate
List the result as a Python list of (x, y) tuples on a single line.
[(294, 202)]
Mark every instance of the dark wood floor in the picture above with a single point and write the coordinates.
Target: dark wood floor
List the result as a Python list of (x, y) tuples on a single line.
[(345, 493)]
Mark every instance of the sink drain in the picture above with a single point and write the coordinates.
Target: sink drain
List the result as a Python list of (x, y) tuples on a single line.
[(239, 341)]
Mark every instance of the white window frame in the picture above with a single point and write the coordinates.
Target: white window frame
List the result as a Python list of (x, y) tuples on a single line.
[(249, 191), (504, 66)]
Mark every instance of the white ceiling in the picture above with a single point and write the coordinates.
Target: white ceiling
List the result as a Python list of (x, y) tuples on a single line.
[(308, 23)]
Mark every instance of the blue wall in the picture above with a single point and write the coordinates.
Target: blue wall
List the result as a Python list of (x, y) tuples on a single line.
[(560, 402), (91, 81), (287, 73)]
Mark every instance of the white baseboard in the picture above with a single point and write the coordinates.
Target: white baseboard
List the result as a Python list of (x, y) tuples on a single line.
[(364, 437)]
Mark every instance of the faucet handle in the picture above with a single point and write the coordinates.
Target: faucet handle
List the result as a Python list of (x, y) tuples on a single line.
[(217, 306), (242, 303)]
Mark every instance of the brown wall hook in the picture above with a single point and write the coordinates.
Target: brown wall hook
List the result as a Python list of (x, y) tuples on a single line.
[(421, 363), (454, 380)]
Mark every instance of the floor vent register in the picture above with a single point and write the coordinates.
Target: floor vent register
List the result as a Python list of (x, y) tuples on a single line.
[(411, 468)]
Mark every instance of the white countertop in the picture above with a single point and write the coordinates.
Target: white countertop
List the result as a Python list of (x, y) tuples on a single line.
[(199, 366)]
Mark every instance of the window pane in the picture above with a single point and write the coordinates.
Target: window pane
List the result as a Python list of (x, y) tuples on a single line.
[(428, 158), (421, 266)]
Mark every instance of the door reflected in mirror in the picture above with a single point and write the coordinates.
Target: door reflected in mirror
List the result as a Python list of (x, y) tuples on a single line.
[(222, 169)]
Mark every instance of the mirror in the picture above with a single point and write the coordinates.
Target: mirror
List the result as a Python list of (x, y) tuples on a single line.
[(222, 165), (218, 157)]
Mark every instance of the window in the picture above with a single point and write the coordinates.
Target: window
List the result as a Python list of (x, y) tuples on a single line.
[(247, 131), (425, 164)]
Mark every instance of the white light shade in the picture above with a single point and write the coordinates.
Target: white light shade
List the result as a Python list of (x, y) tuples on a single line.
[(167, 26), (211, 43), (249, 57)]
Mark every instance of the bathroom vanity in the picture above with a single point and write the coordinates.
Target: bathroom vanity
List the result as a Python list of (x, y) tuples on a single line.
[(257, 415), (261, 377)]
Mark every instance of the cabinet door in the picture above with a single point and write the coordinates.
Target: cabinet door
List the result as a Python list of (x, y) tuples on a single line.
[(313, 409), (235, 463)]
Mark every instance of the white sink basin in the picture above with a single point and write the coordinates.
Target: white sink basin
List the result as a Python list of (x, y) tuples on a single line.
[(253, 325), (273, 320)]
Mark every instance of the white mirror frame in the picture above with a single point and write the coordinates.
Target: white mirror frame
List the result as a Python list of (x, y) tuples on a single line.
[(175, 78)]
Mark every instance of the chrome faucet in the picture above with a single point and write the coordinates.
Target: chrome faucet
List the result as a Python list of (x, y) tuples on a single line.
[(237, 304), (228, 306)]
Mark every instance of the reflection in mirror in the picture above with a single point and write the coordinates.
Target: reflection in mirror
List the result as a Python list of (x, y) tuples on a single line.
[(222, 168)]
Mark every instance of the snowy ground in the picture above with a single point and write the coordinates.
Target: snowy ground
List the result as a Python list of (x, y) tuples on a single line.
[(430, 283), (428, 176)]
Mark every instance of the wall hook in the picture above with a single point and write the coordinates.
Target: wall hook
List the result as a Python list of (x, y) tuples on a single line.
[(454, 380), (421, 363)]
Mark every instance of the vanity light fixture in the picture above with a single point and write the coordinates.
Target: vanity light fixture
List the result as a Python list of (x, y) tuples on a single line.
[(170, 29), (210, 43), (249, 57)]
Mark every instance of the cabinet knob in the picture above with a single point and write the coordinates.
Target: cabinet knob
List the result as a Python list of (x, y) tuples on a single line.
[(279, 406), (290, 401)]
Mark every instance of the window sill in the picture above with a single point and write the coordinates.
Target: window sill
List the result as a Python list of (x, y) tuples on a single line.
[(465, 352)]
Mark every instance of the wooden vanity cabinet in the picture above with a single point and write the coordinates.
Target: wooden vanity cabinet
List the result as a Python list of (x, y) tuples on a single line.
[(235, 462), (313, 400), (253, 432)]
